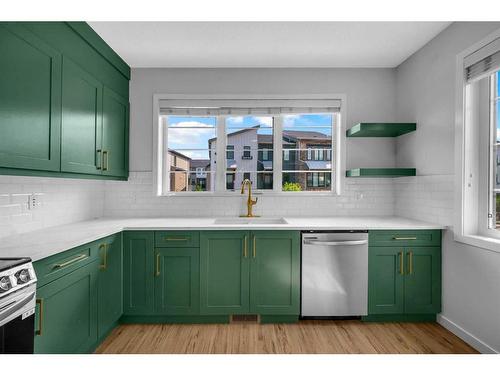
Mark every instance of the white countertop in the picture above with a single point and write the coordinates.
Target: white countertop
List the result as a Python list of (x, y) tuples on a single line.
[(43, 243)]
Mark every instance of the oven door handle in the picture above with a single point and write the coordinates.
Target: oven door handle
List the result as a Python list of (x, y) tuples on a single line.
[(13, 306), (335, 243)]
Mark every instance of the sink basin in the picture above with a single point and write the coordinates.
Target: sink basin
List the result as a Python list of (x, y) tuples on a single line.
[(250, 220)]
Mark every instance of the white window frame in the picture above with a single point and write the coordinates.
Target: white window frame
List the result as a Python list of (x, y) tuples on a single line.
[(472, 157), (160, 139)]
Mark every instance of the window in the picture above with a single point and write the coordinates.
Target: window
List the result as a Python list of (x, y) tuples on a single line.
[(478, 144), (246, 152), (214, 145), (308, 138), (189, 143), (229, 152), (494, 142)]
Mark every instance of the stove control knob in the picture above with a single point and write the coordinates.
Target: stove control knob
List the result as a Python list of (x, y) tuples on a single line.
[(23, 276), (5, 284)]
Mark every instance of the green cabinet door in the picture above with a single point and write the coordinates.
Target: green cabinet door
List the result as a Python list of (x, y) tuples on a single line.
[(30, 101), (110, 291), (138, 273), (224, 272), (386, 280), (67, 313), (115, 134), (81, 121), (422, 289), (275, 272), (177, 281)]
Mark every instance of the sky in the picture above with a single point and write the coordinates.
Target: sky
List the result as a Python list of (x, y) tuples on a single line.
[(189, 135)]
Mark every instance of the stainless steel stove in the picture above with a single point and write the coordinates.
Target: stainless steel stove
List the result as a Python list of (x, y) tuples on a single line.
[(17, 305)]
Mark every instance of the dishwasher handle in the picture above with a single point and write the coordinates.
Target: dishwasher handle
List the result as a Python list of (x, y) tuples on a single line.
[(335, 243)]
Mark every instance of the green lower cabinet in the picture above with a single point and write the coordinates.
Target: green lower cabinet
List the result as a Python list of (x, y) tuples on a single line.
[(275, 273), (250, 272), (423, 280), (177, 281), (224, 272), (385, 280), (404, 283), (138, 273), (67, 313), (110, 291)]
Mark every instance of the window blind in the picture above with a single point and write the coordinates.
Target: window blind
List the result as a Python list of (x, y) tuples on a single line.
[(483, 62), (240, 107)]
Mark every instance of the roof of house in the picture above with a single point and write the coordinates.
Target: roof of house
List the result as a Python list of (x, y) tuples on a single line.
[(200, 163), (177, 153)]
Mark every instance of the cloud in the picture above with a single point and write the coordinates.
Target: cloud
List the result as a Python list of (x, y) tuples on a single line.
[(235, 120), (263, 120), (189, 134)]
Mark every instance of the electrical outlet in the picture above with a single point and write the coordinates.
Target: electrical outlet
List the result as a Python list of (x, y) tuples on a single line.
[(33, 201)]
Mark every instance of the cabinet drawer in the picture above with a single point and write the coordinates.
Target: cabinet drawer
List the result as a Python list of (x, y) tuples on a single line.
[(177, 239), (404, 238), (56, 266)]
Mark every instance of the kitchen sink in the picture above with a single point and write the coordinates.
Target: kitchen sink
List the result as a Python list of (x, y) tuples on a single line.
[(250, 220)]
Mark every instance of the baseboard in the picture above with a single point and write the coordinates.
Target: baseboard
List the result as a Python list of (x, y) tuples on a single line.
[(466, 336)]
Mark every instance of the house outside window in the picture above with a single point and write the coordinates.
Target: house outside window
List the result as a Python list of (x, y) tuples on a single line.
[(246, 152), (230, 152)]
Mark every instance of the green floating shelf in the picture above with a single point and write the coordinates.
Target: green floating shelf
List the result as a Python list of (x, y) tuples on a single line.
[(381, 172), (381, 129)]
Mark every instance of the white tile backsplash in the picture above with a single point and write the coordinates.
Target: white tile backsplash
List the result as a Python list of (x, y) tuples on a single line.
[(425, 198), (60, 201), (137, 198)]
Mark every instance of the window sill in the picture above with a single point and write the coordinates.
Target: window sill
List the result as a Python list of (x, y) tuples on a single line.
[(488, 243), (255, 193)]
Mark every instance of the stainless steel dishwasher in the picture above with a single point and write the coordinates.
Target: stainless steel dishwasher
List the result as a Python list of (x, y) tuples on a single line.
[(334, 274)]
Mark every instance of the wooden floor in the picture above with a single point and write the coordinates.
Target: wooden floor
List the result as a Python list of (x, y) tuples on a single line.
[(303, 337)]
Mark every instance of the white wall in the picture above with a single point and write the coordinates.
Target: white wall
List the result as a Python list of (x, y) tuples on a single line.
[(62, 201), (425, 93)]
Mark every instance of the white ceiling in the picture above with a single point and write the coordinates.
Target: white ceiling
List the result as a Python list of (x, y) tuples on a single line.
[(266, 44)]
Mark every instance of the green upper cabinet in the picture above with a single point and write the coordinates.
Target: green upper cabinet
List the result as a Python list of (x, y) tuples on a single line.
[(30, 100), (81, 121), (224, 272), (275, 273), (177, 281), (64, 108), (386, 280), (110, 291), (138, 269), (115, 110), (67, 313), (423, 280)]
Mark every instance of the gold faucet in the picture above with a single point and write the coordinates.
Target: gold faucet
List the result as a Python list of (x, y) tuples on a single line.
[(250, 201)]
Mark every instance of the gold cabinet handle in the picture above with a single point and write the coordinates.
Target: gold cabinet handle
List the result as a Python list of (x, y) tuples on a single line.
[(176, 239), (104, 264), (401, 263), (105, 160), (157, 273), (71, 261), (254, 247), (245, 247), (404, 238), (410, 262), (39, 301), (99, 160)]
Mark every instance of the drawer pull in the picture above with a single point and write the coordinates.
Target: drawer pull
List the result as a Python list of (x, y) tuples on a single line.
[(105, 160), (401, 263), (71, 261), (39, 301), (404, 238), (245, 249), (410, 262), (176, 239), (157, 273), (104, 264)]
